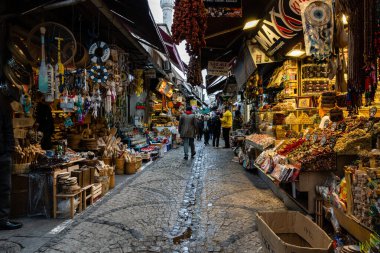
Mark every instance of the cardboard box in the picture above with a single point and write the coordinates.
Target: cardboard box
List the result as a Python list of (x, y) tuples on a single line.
[(291, 232)]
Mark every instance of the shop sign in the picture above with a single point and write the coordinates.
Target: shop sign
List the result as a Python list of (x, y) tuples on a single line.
[(224, 8), (218, 68), (150, 73), (281, 27)]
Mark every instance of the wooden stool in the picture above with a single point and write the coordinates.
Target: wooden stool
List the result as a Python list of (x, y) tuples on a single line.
[(87, 196), (71, 197)]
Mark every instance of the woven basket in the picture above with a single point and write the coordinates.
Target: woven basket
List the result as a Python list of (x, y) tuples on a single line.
[(130, 168), (74, 140), (21, 168), (112, 181), (138, 163), (107, 160), (119, 168), (88, 142)]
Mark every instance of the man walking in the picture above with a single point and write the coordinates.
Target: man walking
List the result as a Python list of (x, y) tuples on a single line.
[(8, 93), (226, 126), (187, 129)]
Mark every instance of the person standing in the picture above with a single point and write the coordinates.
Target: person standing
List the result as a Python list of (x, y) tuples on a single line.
[(8, 93), (45, 121), (226, 126), (238, 120), (206, 129), (216, 128), (200, 128), (187, 129)]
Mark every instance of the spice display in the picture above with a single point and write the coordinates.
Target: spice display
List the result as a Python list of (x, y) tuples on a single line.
[(291, 119), (350, 142), (189, 24), (304, 119)]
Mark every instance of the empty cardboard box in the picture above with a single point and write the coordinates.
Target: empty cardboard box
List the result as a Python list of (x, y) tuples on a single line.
[(291, 232)]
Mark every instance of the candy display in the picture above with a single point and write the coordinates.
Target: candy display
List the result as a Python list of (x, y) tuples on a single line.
[(261, 140)]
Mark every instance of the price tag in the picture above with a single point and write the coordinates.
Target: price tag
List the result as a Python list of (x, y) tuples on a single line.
[(334, 126), (332, 142), (372, 112), (315, 138), (327, 122), (308, 137), (343, 126), (323, 140), (369, 126)]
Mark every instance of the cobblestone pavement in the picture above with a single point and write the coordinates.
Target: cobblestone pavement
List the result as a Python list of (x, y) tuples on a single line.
[(206, 204)]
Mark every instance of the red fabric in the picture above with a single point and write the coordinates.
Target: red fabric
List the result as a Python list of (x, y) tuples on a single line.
[(188, 112)]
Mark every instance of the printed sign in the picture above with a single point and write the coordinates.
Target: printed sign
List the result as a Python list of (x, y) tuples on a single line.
[(150, 73), (224, 8), (281, 27), (258, 56), (218, 68)]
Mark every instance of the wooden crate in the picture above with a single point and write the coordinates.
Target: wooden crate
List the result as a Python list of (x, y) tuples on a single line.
[(352, 226), (97, 190)]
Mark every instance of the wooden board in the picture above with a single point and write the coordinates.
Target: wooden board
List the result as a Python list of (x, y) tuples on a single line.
[(356, 229)]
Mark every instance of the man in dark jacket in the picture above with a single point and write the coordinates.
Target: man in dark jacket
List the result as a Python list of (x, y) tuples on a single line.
[(216, 126), (187, 130), (8, 93)]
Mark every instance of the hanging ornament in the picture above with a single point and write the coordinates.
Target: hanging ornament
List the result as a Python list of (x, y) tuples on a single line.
[(113, 92), (79, 109), (99, 74), (108, 102), (96, 101), (99, 52), (318, 26), (26, 103)]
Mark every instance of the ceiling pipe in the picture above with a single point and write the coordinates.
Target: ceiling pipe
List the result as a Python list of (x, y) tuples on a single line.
[(52, 6)]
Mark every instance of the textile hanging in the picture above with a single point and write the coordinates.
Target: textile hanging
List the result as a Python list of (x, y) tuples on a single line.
[(318, 27)]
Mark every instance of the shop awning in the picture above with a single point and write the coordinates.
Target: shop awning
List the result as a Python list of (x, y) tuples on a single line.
[(171, 47), (138, 19), (225, 35), (215, 84)]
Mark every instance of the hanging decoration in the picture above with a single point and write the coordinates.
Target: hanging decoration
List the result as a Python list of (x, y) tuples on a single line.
[(99, 74), (108, 102), (194, 73), (189, 24), (42, 73), (96, 101), (318, 26), (139, 81), (99, 52)]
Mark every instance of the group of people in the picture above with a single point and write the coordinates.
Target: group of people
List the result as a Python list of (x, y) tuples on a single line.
[(211, 127)]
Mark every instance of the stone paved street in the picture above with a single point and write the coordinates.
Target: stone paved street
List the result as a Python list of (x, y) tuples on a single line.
[(206, 204)]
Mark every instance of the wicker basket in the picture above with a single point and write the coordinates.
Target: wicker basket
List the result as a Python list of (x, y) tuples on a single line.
[(112, 181), (21, 168), (130, 168), (89, 141), (107, 160), (138, 163), (74, 140), (119, 168)]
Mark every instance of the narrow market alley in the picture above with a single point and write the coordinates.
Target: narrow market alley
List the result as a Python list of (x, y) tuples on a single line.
[(206, 204)]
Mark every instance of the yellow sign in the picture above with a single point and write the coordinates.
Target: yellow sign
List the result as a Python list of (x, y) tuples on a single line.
[(193, 102)]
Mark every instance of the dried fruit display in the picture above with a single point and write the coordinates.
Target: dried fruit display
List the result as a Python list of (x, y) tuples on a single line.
[(189, 24)]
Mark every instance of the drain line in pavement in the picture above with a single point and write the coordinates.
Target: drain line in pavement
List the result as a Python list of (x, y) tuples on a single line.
[(188, 215)]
